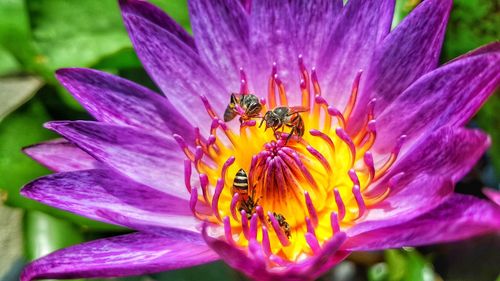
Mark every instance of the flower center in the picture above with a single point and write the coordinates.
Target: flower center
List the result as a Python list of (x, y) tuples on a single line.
[(290, 187)]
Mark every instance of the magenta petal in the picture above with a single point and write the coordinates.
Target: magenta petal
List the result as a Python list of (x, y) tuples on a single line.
[(177, 70), (149, 159), (156, 16), (114, 100), (447, 152), (361, 27), (252, 261), (61, 156), (411, 198), (131, 254), (150, 222), (460, 217), (280, 31), (88, 192), (447, 96), (492, 194), (220, 29), (408, 52)]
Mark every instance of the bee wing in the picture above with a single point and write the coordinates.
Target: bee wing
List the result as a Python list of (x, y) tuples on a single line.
[(297, 109)]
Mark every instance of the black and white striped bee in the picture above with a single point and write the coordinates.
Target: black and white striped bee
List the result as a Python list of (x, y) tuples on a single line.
[(246, 202)]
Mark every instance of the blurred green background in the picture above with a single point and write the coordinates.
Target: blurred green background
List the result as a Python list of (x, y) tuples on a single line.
[(39, 36)]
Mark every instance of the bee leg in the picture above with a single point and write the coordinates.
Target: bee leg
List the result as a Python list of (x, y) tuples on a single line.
[(292, 131), (263, 119), (276, 132)]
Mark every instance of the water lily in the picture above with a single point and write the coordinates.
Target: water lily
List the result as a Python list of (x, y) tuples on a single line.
[(382, 147)]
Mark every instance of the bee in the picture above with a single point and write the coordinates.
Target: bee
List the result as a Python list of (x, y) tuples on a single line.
[(285, 116), (247, 202), (249, 103), (283, 224)]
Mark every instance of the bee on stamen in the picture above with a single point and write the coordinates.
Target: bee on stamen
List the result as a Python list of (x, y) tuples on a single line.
[(246, 202), (250, 107), (283, 116), (283, 224)]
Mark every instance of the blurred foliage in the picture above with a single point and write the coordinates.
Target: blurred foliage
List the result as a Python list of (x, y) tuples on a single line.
[(403, 8), (44, 234), (402, 265), (474, 23), (39, 36)]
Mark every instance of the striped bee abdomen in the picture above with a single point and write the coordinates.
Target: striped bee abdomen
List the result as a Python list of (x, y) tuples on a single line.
[(240, 183)]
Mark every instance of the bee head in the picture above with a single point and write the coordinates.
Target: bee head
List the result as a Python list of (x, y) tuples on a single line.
[(272, 119)]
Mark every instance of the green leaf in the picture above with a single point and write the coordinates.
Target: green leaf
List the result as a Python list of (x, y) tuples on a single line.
[(8, 63), (123, 59), (22, 128), (396, 264), (15, 36), (76, 33), (14, 23), (45, 234), (418, 269), (15, 91)]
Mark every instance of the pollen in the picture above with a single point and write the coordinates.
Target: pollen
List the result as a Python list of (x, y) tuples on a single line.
[(290, 192)]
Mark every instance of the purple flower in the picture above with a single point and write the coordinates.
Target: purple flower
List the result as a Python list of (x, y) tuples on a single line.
[(367, 159)]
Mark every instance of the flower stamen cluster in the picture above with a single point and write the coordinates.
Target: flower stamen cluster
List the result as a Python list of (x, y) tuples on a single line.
[(302, 192)]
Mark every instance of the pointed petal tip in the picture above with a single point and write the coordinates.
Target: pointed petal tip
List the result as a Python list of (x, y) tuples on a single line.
[(28, 150), (27, 274), (492, 194), (68, 72), (55, 125), (26, 191)]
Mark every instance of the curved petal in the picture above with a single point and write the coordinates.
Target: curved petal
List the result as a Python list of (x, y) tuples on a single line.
[(408, 52), (460, 217), (220, 30), (150, 222), (280, 31), (61, 156), (156, 16), (115, 100), (253, 263), (149, 159), (411, 198), (89, 192), (448, 152), (131, 254), (361, 27), (177, 70), (448, 96)]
